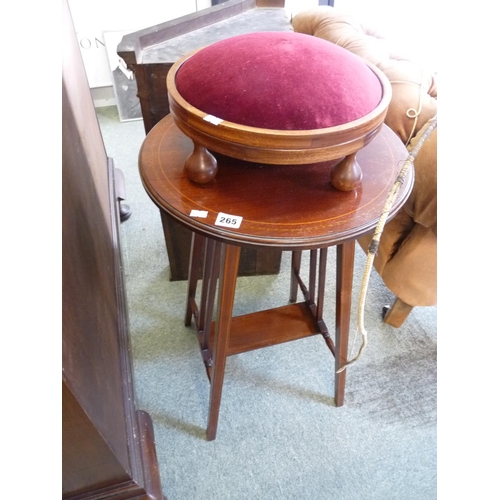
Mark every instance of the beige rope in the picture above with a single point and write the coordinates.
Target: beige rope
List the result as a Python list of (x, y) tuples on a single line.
[(372, 249)]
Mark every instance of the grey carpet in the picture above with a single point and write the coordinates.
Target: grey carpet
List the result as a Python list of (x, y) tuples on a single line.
[(280, 435)]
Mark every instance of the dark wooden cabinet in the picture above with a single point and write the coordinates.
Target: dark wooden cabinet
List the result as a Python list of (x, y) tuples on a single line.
[(107, 444), (151, 52)]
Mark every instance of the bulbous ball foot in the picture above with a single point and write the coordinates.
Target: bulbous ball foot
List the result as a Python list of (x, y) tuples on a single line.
[(346, 175), (201, 165)]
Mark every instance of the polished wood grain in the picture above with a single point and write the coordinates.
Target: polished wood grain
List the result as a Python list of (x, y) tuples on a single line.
[(345, 267), (279, 147), (108, 447), (291, 207), (151, 76), (283, 206), (228, 335), (255, 261), (229, 259), (396, 314)]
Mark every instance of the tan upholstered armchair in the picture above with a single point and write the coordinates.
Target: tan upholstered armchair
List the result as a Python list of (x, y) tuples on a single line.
[(407, 254)]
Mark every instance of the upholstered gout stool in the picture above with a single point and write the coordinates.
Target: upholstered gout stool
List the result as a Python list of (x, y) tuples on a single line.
[(280, 98)]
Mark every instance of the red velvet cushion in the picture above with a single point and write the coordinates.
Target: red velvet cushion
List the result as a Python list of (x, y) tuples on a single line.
[(276, 80)]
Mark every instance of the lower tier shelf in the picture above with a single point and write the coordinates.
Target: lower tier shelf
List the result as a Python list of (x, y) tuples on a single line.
[(269, 327)]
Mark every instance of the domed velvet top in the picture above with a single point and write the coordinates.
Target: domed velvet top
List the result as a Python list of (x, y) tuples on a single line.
[(280, 81)]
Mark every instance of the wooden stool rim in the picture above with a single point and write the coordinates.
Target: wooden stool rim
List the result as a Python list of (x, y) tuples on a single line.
[(271, 145), (161, 163)]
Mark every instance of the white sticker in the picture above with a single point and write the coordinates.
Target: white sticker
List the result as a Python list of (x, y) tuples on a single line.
[(228, 220), (199, 213), (213, 119)]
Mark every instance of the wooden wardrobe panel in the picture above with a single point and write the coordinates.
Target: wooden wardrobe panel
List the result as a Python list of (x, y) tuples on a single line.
[(108, 445)]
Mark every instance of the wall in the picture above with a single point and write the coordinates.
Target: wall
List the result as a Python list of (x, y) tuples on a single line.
[(413, 24), (294, 6), (99, 23), (96, 20)]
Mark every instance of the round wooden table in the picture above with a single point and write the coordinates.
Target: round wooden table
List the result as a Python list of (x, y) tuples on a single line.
[(289, 207)]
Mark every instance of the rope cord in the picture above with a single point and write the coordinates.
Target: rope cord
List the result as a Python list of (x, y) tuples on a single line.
[(372, 249)]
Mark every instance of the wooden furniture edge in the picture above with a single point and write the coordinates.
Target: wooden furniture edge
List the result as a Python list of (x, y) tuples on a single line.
[(131, 45), (278, 147), (142, 450), (285, 244), (247, 333), (345, 137), (152, 481)]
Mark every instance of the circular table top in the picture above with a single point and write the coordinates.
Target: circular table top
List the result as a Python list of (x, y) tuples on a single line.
[(282, 206)]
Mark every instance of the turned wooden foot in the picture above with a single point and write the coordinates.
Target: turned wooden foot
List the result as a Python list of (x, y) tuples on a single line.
[(346, 175), (201, 165), (396, 314)]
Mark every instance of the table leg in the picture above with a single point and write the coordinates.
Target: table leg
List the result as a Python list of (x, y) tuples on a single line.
[(208, 279), (230, 257), (313, 264), (294, 282), (323, 255), (345, 268), (197, 241)]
